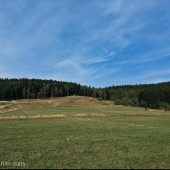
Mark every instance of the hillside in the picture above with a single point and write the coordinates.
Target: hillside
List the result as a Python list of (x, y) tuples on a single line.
[(69, 101), (78, 132), (155, 96), (59, 105)]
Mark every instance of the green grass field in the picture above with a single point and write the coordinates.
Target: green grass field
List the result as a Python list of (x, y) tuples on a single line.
[(93, 134)]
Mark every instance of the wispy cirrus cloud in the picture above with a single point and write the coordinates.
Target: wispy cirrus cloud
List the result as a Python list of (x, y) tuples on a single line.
[(99, 59)]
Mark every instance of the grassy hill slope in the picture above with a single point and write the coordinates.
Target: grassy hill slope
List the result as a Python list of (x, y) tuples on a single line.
[(91, 134)]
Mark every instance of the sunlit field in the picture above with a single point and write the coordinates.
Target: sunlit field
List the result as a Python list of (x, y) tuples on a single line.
[(82, 132)]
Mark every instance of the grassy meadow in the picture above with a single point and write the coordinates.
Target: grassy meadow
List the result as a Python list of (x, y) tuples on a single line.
[(82, 132)]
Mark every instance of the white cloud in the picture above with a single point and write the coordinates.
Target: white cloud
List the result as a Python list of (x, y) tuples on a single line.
[(109, 7), (4, 72), (145, 76), (94, 60), (35, 28)]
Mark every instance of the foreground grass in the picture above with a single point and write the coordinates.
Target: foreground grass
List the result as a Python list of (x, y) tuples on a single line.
[(125, 138)]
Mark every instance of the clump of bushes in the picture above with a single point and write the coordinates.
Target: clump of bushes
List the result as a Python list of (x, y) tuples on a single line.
[(127, 102), (164, 106)]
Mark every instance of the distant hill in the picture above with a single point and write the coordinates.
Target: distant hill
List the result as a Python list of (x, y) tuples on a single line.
[(145, 95)]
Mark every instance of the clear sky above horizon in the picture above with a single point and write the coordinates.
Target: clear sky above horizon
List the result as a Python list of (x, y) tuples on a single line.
[(92, 42)]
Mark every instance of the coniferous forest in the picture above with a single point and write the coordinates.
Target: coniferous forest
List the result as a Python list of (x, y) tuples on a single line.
[(156, 96)]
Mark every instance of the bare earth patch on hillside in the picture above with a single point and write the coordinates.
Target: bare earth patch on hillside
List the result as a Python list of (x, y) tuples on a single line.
[(9, 107)]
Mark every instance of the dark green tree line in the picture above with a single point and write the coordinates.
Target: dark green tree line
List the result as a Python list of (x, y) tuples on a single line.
[(144, 95)]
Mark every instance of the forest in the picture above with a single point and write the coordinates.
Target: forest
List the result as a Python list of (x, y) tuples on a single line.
[(156, 96)]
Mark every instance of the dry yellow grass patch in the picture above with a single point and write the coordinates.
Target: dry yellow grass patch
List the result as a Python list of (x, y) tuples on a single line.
[(33, 117), (80, 115), (97, 115), (84, 115)]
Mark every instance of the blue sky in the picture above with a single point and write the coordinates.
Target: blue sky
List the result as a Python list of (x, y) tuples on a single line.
[(93, 42)]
